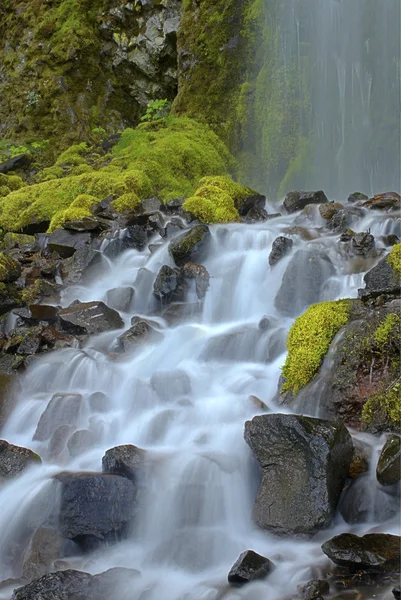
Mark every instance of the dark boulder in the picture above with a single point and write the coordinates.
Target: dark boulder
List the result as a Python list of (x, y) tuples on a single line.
[(140, 332), (10, 269), (388, 470), (16, 162), (89, 318), (44, 548), (253, 202), (380, 280), (120, 298), (126, 460), (168, 284), (85, 261), (199, 274), (314, 590), (280, 248), (328, 210), (397, 592), (357, 196), (248, 567), (257, 214), (298, 200), (133, 237), (374, 552), (61, 585), (65, 243), (360, 460), (95, 507), (15, 459), (303, 281), (386, 201), (85, 224), (150, 222), (174, 206), (190, 246), (304, 463), (43, 312), (62, 409), (391, 239), (172, 227)]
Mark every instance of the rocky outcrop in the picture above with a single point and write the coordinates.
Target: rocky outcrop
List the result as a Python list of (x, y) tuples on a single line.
[(249, 567), (373, 553), (304, 465)]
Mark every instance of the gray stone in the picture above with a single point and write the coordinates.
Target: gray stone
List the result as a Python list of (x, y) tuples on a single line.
[(132, 237), (89, 318), (126, 460), (388, 470), (304, 464), (167, 286), (198, 273), (61, 585), (65, 243), (298, 200), (314, 590), (280, 248), (81, 441), (44, 548), (15, 459), (140, 333), (380, 280), (85, 224), (120, 298), (249, 567)]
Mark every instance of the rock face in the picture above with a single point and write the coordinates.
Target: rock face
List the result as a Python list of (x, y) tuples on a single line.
[(380, 280), (248, 567), (388, 470), (280, 248), (374, 552), (89, 318), (126, 460), (298, 200), (66, 243), (303, 281), (95, 508), (14, 459), (304, 464), (189, 246), (62, 585)]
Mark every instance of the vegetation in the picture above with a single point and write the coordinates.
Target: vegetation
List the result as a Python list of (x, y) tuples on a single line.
[(309, 340), (384, 407), (394, 259)]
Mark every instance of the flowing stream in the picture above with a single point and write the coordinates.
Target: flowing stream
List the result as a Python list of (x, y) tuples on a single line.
[(184, 399)]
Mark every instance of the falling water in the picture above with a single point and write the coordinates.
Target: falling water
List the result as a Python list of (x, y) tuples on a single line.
[(184, 398)]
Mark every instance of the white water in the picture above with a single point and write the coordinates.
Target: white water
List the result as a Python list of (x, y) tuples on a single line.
[(185, 400)]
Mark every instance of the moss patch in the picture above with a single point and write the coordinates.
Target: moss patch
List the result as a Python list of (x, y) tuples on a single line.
[(10, 269), (394, 259), (166, 159), (309, 340), (384, 407), (217, 200)]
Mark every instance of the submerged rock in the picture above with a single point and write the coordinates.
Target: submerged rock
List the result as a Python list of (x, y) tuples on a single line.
[(190, 246), (44, 548), (248, 567), (304, 463), (374, 552), (133, 237), (298, 200), (256, 214), (90, 318), (360, 460), (198, 273), (388, 470), (120, 298), (280, 248), (95, 507), (62, 410), (15, 459), (363, 502)]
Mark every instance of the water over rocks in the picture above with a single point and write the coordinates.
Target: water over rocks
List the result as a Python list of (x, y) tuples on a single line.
[(190, 246), (89, 318)]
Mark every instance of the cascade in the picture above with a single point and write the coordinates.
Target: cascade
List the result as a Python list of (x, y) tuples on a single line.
[(183, 397)]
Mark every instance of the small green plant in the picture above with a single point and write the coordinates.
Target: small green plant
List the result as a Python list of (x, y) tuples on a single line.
[(33, 98), (9, 150), (157, 109), (99, 132)]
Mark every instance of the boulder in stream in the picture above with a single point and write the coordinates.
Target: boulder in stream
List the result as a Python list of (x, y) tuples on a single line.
[(298, 200), (189, 246), (15, 459), (280, 248), (66, 243), (314, 589), (61, 585), (95, 507), (304, 464), (382, 279), (167, 285), (388, 470), (62, 410), (385, 201), (374, 552), (44, 548), (248, 567), (126, 460), (90, 318), (140, 332), (120, 298)]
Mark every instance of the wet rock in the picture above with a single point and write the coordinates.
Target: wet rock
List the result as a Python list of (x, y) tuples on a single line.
[(256, 214), (199, 273), (140, 333), (167, 285), (304, 464), (84, 261), (391, 239), (9, 364), (44, 548), (58, 441), (363, 502), (16, 162), (43, 312), (174, 206), (118, 578), (327, 211), (298, 200), (386, 201), (397, 592), (172, 227), (314, 589), (81, 441), (340, 221), (85, 224), (120, 298), (254, 202), (303, 281), (357, 196), (280, 248), (258, 403), (89, 318), (361, 244), (65, 243), (248, 567), (99, 402), (62, 409), (150, 222), (133, 237), (126, 460), (7, 385), (15, 459), (190, 246), (380, 280), (374, 552), (31, 342), (10, 269), (61, 585), (21, 241), (360, 460), (95, 507), (388, 470), (104, 209)]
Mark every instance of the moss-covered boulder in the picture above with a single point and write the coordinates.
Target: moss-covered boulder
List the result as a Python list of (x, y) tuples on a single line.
[(10, 269), (190, 246)]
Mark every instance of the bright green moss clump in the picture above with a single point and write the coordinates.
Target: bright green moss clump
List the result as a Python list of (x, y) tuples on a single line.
[(166, 159), (309, 340), (394, 259), (384, 406), (383, 332), (217, 200)]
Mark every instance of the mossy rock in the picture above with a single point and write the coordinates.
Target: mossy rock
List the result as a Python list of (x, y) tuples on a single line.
[(10, 269)]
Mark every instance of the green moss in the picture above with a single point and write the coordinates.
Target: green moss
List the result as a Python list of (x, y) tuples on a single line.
[(74, 155), (15, 240), (126, 202), (309, 340), (4, 191), (217, 200), (384, 407), (78, 209), (9, 268), (12, 182), (389, 326), (394, 259)]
